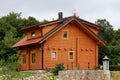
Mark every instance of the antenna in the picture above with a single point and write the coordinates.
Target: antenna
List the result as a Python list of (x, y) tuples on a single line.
[(74, 12)]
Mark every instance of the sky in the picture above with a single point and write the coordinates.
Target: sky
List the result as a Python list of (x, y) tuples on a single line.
[(89, 10)]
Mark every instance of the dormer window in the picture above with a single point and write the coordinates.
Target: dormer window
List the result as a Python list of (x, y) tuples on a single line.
[(32, 34)]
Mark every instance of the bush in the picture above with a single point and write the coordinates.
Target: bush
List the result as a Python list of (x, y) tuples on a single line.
[(48, 69), (114, 68), (58, 68), (9, 67)]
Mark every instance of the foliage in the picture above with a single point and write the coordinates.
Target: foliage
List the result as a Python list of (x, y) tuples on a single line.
[(112, 39), (10, 27), (48, 69), (50, 77), (107, 33), (8, 70), (10, 66), (58, 68), (114, 68)]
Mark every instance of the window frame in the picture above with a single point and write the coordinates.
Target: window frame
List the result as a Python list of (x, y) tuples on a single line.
[(65, 37), (33, 57), (24, 59), (54, 56), (72, 55)]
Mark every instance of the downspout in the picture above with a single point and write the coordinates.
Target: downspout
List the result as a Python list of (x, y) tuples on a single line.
[(42, 48), (42, 56), (96, 56), (77, 51), (28, 52)]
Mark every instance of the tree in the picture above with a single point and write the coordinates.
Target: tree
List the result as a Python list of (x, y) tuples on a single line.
[(112, 39), (107, 33), (10, 27)]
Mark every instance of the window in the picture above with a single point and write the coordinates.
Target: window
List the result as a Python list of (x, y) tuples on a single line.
[(53, 55), (24, 59), (71, 55), (33, 58), (33, 34), (64, 34)]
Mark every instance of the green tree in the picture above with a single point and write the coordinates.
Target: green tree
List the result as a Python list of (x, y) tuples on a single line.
[(10, 27), (111, 37), (107, 33)]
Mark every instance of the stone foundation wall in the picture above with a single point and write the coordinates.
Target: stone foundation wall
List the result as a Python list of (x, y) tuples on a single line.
[(84, 75)]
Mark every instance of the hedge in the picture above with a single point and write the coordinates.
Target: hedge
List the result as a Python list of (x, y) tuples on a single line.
[(114, 68)]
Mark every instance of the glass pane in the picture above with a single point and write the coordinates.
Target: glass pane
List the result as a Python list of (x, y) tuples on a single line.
[(71, 55), (65, 34), (33, 58), (53, 55)]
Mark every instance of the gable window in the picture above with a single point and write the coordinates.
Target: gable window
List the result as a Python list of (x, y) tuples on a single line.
[(71, 55), (65, 35), (32, 34), (53, 55), (24, 59), (33, 58)]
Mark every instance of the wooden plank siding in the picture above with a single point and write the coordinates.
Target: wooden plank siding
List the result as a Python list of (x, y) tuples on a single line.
[(80, 44), (57, 42)]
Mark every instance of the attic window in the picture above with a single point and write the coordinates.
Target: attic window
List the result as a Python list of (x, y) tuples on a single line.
[(32, 34), (64, 34)]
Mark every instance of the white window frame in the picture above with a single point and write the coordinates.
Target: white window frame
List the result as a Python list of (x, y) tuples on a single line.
[(54, 55)]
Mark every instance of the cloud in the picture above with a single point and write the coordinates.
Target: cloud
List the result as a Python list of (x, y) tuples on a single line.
[(90, 10)]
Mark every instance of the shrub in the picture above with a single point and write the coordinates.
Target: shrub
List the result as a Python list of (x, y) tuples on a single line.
[(58, 68), (114, 68), (48, 69)]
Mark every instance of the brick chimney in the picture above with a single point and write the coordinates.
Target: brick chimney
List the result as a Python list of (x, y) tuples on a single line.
[(60, 15)]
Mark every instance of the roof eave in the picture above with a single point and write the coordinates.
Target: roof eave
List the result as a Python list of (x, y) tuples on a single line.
[(92, 33)]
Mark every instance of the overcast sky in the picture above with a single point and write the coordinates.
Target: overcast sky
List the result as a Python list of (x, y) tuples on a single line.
[(90, 10)]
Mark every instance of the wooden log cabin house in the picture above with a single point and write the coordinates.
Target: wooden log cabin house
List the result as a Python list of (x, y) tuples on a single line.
[(65, 40)]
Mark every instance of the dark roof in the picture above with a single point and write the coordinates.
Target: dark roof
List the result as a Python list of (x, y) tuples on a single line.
[(90, 24), (60, 20), (44, 24), (64, 22), (57, 28)]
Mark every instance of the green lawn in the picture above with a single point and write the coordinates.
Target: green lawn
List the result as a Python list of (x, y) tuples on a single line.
[(15, 75)]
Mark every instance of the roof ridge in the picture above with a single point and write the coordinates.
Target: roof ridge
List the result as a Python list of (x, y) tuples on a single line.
[(47, 35), (55, 29), (90, 23), (94, 34), (46, 23), (90, 30)]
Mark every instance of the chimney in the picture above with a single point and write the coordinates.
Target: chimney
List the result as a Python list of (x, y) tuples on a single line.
[(60, 15)]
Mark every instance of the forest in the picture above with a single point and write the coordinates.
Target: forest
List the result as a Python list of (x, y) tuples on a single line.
[(11, 24)]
